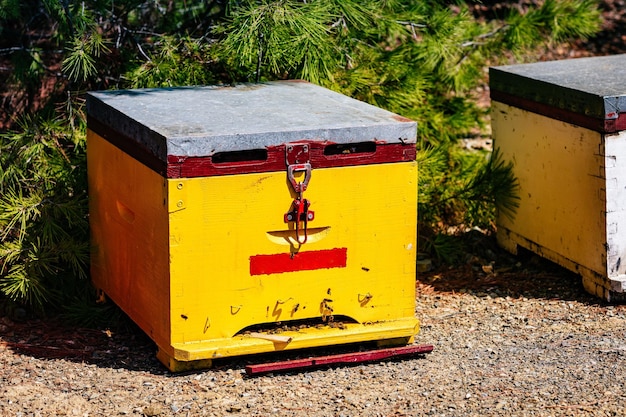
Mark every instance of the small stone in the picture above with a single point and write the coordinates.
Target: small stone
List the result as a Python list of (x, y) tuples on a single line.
[(152, 411), (234, 409)]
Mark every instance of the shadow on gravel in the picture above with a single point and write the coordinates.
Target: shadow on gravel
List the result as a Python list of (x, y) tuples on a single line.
[(132, 350), (489, 271), (51, 339)]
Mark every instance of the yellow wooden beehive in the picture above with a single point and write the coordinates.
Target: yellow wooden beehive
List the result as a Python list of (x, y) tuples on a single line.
[(562, 125), (218, 213)]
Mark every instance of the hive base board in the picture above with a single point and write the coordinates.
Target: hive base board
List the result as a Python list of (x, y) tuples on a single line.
[(199, 355), (349, 358), (611, 289), (182, 366)]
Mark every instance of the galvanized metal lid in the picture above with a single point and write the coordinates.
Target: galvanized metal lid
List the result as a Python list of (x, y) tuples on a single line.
[(581, 89), (202, 121)]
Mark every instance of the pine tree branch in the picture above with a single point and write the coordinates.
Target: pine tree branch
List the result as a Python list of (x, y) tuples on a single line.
[(68, 14), (412, 25), (14, 49), (474, 44)]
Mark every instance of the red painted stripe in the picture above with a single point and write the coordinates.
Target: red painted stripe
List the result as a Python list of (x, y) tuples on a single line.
[(301, 261), (343, 358), (564, 115)]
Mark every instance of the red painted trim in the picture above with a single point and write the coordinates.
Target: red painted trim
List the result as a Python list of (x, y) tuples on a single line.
[(343, 358), (190, 167), (568, 116), (301, 261), (129, 146)]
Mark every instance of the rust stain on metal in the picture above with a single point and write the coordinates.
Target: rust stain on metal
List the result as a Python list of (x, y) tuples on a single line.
[(401, 118)]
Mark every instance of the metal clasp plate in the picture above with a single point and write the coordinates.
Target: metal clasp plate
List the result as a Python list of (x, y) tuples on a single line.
[(297, 153)]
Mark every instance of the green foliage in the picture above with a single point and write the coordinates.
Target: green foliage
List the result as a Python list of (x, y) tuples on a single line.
[(288, 39), (43, 201), (555, 21), (425, 60), (9, 9), (165, 70), (82, 311), (80, 63)]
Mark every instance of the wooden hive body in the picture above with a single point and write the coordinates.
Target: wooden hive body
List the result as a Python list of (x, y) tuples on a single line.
[(563, 126), (188, 202)]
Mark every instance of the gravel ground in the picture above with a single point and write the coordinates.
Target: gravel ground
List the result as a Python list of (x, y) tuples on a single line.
[(522, 340)]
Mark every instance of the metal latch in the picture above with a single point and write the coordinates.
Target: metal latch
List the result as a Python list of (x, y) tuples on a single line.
[(297, 160), (299, 187)]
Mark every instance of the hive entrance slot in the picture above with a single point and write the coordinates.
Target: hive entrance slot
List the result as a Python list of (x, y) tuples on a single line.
[(350, 148), (248, 155), (338, 321)]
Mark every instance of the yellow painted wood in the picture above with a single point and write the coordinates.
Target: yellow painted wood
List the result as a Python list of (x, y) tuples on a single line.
[(193, 356), (595, 283), (129, 233), (561, 171), (226, 220), (175, 254), (308, 337), (182, 365)]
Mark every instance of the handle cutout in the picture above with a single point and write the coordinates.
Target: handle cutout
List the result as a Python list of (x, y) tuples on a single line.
[(249, 155), (350, 148), (126, 213)]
